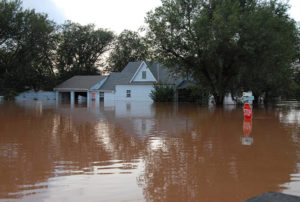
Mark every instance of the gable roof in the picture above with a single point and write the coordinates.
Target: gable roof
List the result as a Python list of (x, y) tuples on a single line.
[(132, 67), (163, 75), (160, 73), (123, 78), (116, 78), (80, 82)]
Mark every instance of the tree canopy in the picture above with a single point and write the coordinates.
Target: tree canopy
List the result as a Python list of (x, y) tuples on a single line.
[(36, 53), (129, 46), (80, 48), (228, 45), (27, 41)]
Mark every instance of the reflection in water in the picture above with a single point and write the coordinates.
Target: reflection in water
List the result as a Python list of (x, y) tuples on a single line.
[(142, 151), (247, 127)]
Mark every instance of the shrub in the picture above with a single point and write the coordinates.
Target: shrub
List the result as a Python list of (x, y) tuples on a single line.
[(162, 93), (198, 94), (10, 95)]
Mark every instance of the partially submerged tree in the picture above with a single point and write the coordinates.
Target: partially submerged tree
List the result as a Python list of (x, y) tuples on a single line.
[(225, 43), (80, 49), (270, 41), (129, 46)]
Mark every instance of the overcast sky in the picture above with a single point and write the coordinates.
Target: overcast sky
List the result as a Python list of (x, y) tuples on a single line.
[(116, 15)]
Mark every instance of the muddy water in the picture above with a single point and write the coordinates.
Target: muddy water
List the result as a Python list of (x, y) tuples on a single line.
[(146, 152)]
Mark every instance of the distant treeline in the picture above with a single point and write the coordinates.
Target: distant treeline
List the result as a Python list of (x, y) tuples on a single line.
[(224, 46)]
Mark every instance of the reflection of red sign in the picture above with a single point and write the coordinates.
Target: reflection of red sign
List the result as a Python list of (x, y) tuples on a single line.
[(247, 126), (247, 111), (93, 95)]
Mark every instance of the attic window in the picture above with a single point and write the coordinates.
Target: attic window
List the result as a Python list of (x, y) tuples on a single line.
[(144, 74)]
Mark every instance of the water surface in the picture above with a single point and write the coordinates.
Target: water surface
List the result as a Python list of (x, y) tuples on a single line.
[(146, 152)]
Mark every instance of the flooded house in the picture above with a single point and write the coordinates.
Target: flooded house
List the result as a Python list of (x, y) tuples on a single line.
[(134, 83)]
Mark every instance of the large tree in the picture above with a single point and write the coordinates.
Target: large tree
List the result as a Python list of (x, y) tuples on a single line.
[(270, 40), (129, 46), (27, 42), (220, 43), (80, 48)]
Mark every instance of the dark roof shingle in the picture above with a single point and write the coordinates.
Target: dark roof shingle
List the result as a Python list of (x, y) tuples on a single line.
[(80, 82), (116, 78)]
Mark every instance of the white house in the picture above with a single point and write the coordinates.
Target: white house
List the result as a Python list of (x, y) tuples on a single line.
[(134, 83)]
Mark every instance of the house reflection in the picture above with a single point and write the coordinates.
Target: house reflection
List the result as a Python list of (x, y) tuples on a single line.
[(146, 118)]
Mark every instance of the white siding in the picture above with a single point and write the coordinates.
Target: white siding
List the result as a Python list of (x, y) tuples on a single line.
[(109, 96), (149, 75), (36, 95), (138, 92)]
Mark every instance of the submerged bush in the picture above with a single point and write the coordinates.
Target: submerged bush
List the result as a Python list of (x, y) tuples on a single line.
[(10, 95), (162, 93), (198, 94)]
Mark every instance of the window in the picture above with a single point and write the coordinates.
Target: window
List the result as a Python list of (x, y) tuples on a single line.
[(143, 74), (128, 93)]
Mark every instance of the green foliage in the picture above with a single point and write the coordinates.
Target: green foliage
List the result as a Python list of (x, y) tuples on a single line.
[(27, 42), (162, 93), (35, 54), (198, 94), (80, 48), (272, 40), (225, 44), (128, 47), (10, 94), (293, 92)]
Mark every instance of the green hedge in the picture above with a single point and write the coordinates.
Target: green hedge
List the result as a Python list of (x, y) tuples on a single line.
[(162, 93)]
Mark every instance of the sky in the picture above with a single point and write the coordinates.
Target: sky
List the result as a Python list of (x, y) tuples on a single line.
[(115, 15)]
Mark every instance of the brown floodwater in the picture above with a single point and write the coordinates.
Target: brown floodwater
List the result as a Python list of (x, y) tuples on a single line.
[(146, 152)]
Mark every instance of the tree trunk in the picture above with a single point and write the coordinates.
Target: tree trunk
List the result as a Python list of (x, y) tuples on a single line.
[(256, 96), (219, 99), (266, 98)]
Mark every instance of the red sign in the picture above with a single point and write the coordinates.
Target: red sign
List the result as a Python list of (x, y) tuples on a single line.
[(247, 111)]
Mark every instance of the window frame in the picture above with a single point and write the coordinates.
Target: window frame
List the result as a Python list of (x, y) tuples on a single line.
[(128, 93)]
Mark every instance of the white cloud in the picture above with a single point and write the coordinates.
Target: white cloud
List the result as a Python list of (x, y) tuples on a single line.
[(115, 15), (295, 9)]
